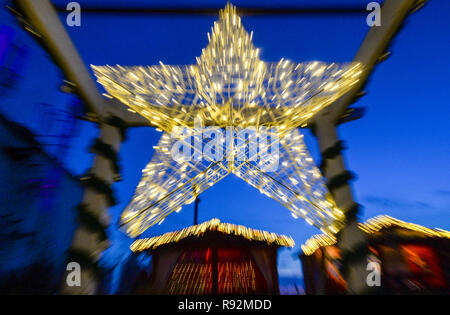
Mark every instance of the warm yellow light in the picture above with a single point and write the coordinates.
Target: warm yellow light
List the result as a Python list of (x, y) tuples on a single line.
[(167, 185), (229, 86), (371, 226), (212, 225)]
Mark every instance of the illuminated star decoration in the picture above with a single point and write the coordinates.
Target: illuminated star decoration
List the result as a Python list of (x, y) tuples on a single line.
[(229, 86), (167, 185)]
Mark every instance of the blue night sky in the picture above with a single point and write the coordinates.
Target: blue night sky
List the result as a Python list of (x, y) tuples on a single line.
[(400, 150)]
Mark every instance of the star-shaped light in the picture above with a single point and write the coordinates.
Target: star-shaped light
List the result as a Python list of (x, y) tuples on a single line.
[(230, 86)]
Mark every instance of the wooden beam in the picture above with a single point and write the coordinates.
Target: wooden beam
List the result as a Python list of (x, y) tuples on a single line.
[(45, 21), (214, 11)]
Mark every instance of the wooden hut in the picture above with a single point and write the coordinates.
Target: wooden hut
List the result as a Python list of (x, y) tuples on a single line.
[(212, 258), (411, 259)]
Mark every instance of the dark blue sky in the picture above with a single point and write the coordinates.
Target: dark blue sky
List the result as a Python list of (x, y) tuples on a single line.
[(400, 150)]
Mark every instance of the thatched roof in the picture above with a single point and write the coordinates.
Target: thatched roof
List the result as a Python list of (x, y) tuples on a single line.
[(212, 225), (371, 227)]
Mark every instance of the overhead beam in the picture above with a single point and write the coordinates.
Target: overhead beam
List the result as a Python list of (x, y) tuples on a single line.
[(44, 19), (214, 11)]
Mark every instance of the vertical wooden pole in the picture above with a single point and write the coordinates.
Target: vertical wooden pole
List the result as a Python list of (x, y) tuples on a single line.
[(352, 241), (89, 240)]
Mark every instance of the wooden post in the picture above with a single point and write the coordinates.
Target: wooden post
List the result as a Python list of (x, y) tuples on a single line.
[(197, 201), (90, 238), (352, 241)]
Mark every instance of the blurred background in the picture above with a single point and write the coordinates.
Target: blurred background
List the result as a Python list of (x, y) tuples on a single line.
[(399, 150)]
